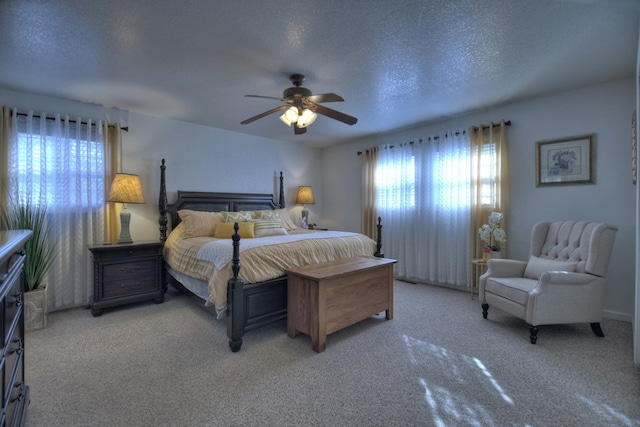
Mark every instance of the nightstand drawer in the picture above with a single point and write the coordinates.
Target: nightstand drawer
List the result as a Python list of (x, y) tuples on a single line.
[(129, 286), (124, 270)]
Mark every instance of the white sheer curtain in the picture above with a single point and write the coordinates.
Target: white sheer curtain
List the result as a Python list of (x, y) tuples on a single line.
[(60, 163), (423, 196)]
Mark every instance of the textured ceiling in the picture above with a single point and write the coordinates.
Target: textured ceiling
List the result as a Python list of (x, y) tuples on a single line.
[(396, 63)]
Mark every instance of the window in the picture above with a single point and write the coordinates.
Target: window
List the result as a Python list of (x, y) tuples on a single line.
[(396, 184), (488, 174), (61, 172)]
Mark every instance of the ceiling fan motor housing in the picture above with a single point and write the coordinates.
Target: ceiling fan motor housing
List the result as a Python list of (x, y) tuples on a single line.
[(294, 92)]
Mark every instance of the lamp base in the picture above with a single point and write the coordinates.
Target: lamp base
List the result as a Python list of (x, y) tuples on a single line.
[(305, 217), (125, 219)]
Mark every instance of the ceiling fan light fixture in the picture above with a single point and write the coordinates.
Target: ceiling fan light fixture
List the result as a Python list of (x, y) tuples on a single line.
[(284, 119), (306, 118), (292, 114)]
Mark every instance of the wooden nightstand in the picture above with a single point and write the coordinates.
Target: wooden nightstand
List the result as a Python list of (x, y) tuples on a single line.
[(126, 273)]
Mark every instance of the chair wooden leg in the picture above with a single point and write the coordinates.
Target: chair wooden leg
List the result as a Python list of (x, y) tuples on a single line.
[(533, 333), (595, 327), (485, 307)]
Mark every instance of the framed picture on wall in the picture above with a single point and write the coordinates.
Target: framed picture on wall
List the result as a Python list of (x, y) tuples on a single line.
[(565, 161)]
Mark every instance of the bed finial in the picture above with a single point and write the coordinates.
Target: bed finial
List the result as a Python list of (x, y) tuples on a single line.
[(162, 203), (281, 199), (235, 297), (379, 253)]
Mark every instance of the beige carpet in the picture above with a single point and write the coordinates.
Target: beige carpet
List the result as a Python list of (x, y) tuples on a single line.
[(437, 363)]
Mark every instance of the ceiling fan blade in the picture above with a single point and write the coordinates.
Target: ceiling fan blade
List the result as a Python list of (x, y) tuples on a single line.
[(325, 97), (262, 96), (299, 131), (337, 115), (266, 113)]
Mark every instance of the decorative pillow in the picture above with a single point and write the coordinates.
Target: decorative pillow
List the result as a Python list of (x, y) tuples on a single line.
[(236, 216), (267, 215), (198, 223), (536, 266), (285, 217), (225, 230), (269, 227)]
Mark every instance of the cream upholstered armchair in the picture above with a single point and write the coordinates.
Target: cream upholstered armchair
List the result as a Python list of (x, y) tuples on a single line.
[(563, 281)]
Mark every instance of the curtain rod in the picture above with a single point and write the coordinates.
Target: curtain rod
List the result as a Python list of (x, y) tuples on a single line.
[(495, 125), (126, 128), (507, 123)]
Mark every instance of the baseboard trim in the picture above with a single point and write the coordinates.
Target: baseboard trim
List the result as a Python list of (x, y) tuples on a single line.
[(616, 315)]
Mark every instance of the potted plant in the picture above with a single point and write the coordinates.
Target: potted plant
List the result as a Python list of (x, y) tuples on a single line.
[(39, 256), (492, 236)]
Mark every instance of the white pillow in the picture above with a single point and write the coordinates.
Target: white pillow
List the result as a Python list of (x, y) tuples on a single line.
[(536, 266)]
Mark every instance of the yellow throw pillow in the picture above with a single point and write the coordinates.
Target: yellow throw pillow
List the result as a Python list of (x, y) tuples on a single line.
[(225, 230), (199, 224), (236, 216)]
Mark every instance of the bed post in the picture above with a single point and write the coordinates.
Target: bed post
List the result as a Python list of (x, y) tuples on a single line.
[(379, 253), (162, 204), (281, 199), (235, 298)]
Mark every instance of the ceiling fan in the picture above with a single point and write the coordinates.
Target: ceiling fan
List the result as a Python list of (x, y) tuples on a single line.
[(301, 107)]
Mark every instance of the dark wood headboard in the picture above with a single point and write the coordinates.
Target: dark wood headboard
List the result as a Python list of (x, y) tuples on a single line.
[(211, 202)]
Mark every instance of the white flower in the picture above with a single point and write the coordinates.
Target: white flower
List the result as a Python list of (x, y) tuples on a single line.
[(491, 234)]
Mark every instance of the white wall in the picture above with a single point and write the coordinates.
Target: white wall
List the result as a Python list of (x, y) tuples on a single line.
[(202, 158), (605, 110)]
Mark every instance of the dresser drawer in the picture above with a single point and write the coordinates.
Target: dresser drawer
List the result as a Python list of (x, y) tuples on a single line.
[(15, 349), (11, 306), (16, 395), (125, 270)]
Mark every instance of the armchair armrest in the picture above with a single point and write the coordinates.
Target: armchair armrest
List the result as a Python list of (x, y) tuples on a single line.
[(566, 278), (566, 297)]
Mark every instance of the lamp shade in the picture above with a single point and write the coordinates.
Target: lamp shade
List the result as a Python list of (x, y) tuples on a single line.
[(305, 195), (126, 188)]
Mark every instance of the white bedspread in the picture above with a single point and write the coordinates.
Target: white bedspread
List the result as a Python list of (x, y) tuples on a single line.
[(220, 252)]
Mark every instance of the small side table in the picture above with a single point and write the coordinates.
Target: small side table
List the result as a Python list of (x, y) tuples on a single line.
[(126, 273), (478, 268)]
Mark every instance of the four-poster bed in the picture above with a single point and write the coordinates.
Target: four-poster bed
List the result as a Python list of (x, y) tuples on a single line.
[(260, 296)]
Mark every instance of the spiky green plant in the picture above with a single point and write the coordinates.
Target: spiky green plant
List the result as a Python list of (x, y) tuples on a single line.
[(39, 249)]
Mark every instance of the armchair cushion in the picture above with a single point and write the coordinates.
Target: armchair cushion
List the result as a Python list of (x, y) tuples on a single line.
[(516, 289), (536, 266)]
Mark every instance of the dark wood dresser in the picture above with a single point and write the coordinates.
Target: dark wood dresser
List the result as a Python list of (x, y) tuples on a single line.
[(15, 393), (126, 273)]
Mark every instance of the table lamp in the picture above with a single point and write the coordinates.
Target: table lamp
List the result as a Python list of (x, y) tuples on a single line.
[(305, 197), (125, 189)]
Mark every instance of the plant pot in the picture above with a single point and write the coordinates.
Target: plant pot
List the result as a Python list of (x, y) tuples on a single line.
[(36, 308), (496, 254)]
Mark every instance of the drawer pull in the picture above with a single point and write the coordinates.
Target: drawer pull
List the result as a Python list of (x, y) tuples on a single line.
[(17, 349), (16, 299), (3, 277)]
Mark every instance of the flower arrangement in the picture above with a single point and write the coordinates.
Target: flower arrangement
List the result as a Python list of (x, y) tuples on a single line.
[(491, 234)]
